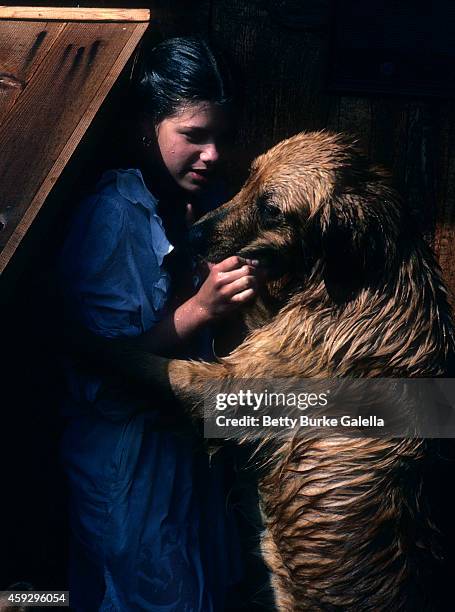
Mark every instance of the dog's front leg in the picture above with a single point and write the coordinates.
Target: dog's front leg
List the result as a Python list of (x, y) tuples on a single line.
[(127, 358), (192, 382)]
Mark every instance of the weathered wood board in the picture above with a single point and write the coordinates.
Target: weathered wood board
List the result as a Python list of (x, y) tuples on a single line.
[(56, 68)]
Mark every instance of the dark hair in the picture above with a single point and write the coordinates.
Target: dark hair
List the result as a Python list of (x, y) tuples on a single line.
[(179, 71)]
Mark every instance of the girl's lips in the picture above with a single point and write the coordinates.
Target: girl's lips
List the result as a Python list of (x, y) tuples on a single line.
[(199, 175)]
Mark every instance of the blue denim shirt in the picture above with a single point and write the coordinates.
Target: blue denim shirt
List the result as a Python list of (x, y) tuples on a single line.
[(149, 522), (112, 260), (111, 271)]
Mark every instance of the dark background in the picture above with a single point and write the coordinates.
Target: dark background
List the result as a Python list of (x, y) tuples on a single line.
[(382, 73)]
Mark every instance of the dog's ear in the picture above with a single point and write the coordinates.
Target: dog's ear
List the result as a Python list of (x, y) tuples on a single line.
[(359, 238)]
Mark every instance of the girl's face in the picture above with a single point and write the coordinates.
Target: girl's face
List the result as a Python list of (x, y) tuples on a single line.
[(189, 143)]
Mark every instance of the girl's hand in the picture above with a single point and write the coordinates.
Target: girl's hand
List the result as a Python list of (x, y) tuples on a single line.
[(229, 284)]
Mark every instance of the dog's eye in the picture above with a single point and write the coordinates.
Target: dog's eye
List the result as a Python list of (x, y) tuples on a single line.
[(268, 210)]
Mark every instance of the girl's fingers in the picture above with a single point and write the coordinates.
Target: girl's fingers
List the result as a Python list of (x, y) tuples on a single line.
[(239, 286), (234, 262), (243, 296), (226, 278)]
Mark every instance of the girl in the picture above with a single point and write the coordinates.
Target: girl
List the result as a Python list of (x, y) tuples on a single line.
[(149, 529)]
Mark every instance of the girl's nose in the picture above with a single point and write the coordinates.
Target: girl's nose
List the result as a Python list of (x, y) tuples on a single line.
[(210, 153)]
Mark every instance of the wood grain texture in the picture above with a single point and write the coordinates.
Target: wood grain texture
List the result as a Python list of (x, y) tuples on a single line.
[(22, 48), (354, 117), (51, 117), (48, 13), (444, 240), (283, 73)]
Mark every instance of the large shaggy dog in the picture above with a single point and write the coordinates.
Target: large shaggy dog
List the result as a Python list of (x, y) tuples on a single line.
[(354, 291)]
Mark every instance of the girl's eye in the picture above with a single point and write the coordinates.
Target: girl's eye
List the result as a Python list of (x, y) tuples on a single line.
[(194, 137)]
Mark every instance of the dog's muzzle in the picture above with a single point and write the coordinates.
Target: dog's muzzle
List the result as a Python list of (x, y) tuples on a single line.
[(201, 233)]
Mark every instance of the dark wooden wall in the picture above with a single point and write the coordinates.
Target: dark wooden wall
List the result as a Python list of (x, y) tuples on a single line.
[(284, 66)]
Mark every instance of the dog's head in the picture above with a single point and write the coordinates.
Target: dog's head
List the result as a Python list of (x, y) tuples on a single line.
[(312, 200)]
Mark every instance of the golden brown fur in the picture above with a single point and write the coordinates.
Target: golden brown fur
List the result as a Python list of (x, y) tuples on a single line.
[(355, 292)]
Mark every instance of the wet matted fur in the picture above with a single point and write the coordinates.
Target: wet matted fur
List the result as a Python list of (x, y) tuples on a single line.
[(355, 292)]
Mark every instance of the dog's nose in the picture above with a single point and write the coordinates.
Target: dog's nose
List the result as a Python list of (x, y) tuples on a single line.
[(201, 235)]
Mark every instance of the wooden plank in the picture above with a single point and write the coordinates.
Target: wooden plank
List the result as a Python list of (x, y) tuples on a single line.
[(53, 114), (420, 164), (388, 133), (22, 48), (354, 117), (444, 241), (50, 13), (332, 121)]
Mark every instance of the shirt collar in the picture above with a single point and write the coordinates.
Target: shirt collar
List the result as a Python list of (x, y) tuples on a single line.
[(130, 184)]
